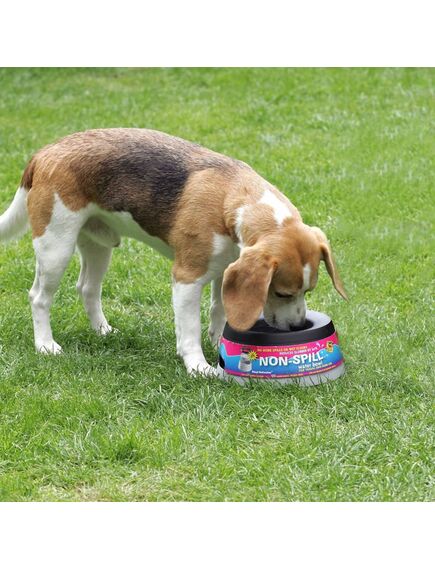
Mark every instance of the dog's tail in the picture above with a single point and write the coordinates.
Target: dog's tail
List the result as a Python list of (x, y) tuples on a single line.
[(15, 221)]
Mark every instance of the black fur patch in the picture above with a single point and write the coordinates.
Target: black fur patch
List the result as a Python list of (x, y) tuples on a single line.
[(147, 182), (141, 172)]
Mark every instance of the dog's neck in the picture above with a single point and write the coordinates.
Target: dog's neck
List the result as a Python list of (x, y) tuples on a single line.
[(256, 208), (254, 222)]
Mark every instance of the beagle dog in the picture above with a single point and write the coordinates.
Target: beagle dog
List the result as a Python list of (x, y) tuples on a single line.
[(218, 220)]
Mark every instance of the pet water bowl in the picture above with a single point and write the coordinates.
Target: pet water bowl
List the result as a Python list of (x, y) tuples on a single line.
[(307, 356)]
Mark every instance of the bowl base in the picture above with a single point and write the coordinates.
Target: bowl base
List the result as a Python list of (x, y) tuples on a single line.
[(302, 381)]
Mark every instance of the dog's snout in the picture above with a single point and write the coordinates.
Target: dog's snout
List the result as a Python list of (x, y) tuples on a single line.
[(299, 325)]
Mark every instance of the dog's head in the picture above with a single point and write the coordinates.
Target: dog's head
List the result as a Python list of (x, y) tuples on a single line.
[(273, 276)]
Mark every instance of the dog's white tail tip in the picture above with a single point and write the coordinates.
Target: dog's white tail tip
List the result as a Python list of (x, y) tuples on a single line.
[(14, 222)]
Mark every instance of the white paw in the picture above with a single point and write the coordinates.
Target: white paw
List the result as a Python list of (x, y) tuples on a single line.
[(203, 369), (49, 348), (105, 329)]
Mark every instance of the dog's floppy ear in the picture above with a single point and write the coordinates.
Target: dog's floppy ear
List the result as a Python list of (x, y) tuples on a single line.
[(331, 267), (245, 287)]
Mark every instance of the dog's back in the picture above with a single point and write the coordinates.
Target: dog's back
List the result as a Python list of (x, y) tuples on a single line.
[(140, 171)]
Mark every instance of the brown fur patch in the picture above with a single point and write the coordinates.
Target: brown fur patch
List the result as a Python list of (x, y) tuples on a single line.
[(328, 258), (50, 175), (27, 178), (200, 214), (293, 247), (259, 218), (209, 206), (40, 207), (245, 287)]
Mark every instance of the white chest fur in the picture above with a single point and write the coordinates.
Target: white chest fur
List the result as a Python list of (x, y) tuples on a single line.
[(225, 251)]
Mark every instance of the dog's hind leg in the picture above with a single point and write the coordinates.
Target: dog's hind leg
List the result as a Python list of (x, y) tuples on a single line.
[(53, 250), (35, 287), (95, 259)]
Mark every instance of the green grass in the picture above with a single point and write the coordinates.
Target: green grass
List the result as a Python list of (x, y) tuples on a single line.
[(117, 418)]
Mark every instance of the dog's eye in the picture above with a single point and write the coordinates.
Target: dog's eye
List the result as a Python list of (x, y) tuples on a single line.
[(280, 295)]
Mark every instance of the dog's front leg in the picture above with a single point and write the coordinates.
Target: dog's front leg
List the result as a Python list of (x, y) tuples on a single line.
[(187, 301), (217, 312)]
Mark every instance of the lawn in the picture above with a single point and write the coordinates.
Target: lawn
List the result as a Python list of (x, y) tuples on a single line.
[(118, 418)]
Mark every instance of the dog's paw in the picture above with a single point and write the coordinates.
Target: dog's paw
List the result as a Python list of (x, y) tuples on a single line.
[(49, 348), (105, 328), (204, 370)]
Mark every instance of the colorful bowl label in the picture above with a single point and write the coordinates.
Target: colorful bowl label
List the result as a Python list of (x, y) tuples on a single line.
[(281, 361)]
